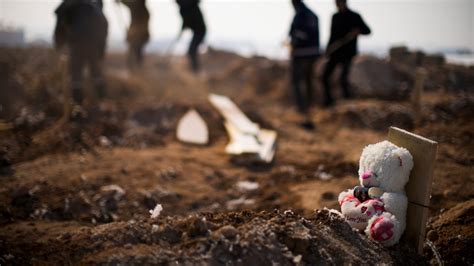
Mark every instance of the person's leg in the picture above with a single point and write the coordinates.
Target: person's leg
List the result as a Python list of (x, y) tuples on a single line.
[(131, 56), (308, 76), (296, 78), (76, 72), (329, 68), (198, 37), (139, 53), (346, 68), (96, 73)]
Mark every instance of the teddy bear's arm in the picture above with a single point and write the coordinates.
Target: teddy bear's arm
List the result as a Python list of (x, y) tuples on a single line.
[(344, 195), (395, 203)]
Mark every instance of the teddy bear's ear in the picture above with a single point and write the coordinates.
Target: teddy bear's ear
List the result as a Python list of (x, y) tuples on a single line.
[(405, 159)]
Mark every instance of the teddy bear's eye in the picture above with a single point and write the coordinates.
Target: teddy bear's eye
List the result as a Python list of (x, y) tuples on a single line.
[(375, 174)]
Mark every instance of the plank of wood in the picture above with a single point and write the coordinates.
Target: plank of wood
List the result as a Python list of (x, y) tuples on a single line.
[(240, 143), (267, 139), (233, 114), (263, 145), (417, 93), (246, 137), (418, 188)]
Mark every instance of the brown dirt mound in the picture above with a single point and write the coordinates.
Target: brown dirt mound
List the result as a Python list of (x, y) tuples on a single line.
[(243, 238), (452, 233), (374, 115), (122, 159)]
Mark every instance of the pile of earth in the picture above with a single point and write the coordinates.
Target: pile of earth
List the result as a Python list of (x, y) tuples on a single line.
[(79, 190), (241, 238)]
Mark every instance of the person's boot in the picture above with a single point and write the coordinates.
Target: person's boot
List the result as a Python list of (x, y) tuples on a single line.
[(101, 91), (308, 124), (77, 96), (347, 94), (194, 63), (328, 102)]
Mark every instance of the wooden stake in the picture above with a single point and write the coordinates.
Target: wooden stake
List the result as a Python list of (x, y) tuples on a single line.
[(418, 188), (420, 77)]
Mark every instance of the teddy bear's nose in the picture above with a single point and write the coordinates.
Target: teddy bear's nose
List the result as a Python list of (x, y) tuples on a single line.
[(366, 175)]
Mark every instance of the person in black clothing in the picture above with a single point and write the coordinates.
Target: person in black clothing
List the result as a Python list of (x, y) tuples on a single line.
[(194, 20), (304, 34), (138, 34), (346, 25), (82, 28)]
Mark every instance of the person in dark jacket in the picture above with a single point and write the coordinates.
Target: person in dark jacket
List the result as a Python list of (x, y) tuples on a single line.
[(138, 34), (304, 34), (82, 28), (194, 20), (346, 25)]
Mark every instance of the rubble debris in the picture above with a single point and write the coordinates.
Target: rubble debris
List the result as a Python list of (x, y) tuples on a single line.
[(116, 188), (156, 211), (192, 129), (235, 203), (104, 141), (247, 185), (246, 137), (233, 114), (321, 174)]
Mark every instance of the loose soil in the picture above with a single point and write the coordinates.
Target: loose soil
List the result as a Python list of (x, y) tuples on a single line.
[(78, 191)]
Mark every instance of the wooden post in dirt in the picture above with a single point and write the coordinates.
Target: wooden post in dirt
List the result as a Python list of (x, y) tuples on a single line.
[(418, 188), (420, 77)]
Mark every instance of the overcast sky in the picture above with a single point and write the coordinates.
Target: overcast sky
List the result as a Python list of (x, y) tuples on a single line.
[(418, 23)]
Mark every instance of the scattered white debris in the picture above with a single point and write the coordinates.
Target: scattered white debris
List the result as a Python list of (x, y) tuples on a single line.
[(8, 256), (155, 228), (156, 211), (247, 185), (288, 212), (325, 176), (297, 259), (288, 169), (335, 212), (104, 141), (214, 206), (115, 188), (34, 190), (192, 129), (233, 204), (40, 212), (321, 174)]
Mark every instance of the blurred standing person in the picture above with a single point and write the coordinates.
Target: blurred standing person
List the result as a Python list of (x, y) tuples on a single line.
[(138, 34), (81, 27), (346, 26), (304, 35), (194, 20)]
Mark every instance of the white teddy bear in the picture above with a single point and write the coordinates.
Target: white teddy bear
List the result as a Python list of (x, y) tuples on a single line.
[(379, 207)]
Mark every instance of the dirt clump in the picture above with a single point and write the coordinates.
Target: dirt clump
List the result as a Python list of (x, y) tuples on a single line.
[(245, 237), (451, 232)]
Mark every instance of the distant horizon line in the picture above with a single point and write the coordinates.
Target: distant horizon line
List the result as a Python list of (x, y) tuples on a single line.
[(118, 43)]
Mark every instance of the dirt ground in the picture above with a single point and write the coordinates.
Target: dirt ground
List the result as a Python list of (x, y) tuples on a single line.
[(79, 190)]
